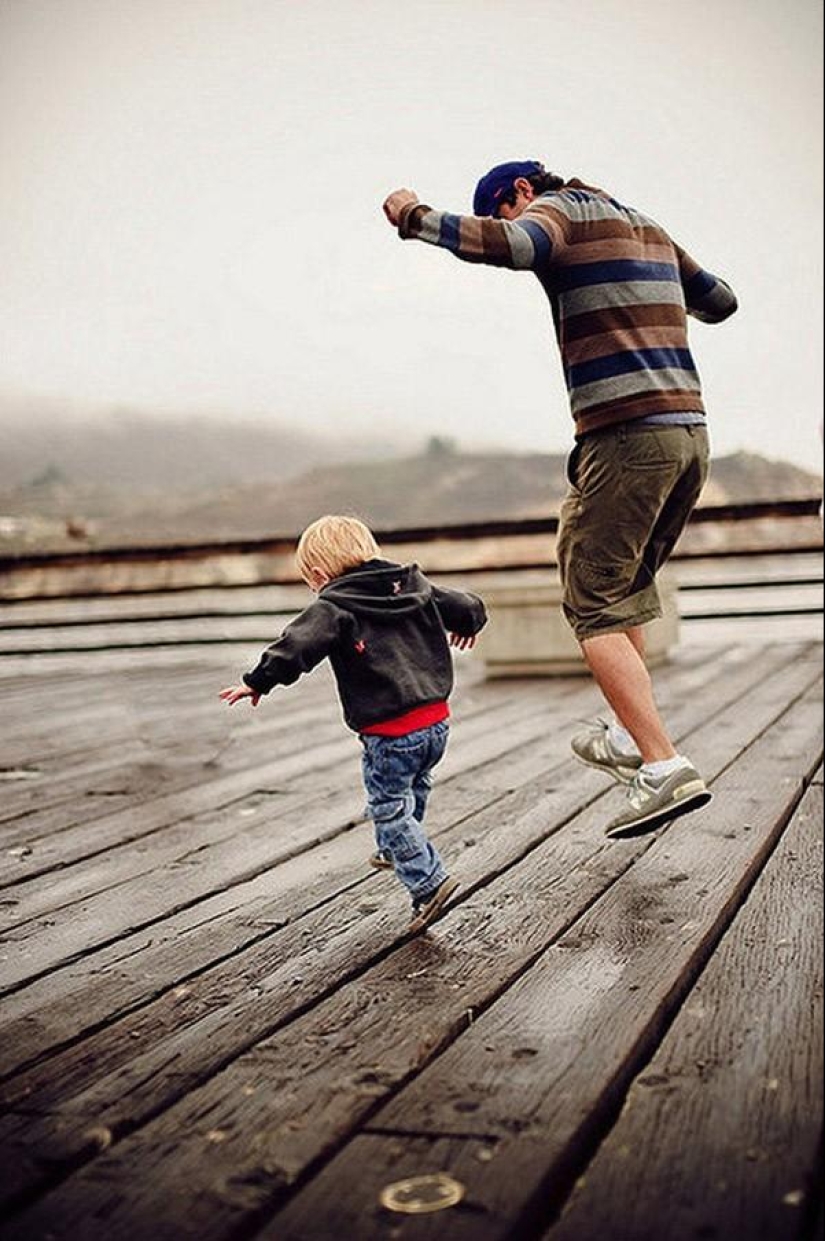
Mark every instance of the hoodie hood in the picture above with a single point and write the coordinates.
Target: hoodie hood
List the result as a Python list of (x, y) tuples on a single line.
[(380, 589)]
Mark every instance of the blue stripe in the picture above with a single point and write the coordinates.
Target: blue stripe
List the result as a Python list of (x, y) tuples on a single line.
[(627, 362), (449, 234), (614, 271), (700, 284), (541, 242)]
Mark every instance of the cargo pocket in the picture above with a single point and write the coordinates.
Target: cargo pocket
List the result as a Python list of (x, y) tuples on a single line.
[(601, 585)]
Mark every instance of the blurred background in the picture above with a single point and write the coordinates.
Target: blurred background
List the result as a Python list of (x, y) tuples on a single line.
[(210, 331)]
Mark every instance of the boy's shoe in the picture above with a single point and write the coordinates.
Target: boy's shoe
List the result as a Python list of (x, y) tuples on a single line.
[(429, 908), (594, 747), (653, 802), (380, 861)]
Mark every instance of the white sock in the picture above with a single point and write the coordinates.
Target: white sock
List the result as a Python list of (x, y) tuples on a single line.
[(665, 766), (621, 739)]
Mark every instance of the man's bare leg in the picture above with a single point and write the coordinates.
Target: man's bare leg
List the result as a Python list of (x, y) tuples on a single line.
[(617, 663), (637, 637)]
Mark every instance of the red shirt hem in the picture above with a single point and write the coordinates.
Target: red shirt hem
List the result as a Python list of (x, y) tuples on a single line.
[(419, 717)]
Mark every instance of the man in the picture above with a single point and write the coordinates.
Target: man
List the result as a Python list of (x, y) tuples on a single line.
[(620, 290)]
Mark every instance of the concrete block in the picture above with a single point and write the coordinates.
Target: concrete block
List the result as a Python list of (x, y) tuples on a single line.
[(527, 635)]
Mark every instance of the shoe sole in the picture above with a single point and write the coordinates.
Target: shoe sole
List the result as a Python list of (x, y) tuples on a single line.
[(436, 906), (605, 769), (378, 863), (640, 827)]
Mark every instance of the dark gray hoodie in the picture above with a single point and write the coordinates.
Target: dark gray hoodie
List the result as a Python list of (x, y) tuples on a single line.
[(383, 626)]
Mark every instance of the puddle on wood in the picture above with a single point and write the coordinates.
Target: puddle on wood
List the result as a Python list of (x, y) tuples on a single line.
[(418, 1195)]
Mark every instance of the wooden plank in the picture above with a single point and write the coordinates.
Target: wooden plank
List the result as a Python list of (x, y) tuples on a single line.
[(719, 1135), (192, 734), (39, 1014), (464, 754), (751, 601), (83, 820), (196, 728), (538, 1075), (119, 775), (464, 765), (130, 720), (193, 944), (457, 799), (129, 635), (263, 600), (767, 569), (144, 799), (123, 836), (281, 986), (42, 942), (203, 730), (281, 1092), (750, 630)]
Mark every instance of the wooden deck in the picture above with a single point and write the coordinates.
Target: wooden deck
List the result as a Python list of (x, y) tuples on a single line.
[(214, 1026)]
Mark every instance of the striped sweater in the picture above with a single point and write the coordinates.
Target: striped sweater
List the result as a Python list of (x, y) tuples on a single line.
[(620, 291)]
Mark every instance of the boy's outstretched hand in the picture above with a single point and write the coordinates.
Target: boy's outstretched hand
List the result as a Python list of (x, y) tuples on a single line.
[(463, 644), (234, 693)]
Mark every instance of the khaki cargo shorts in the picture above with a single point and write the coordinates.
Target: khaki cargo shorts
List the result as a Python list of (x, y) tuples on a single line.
[(632, 490)]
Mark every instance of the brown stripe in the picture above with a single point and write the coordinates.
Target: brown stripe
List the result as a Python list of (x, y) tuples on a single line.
[(491, 237), (611, 248), (622, 319), (471, 238), (551, 222), (606, 343), (557, 224), (608, 413), (602, 230), (689, 266)]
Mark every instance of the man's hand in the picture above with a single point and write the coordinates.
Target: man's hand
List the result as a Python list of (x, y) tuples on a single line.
[(394, 203), (463, 644), (234, 693)]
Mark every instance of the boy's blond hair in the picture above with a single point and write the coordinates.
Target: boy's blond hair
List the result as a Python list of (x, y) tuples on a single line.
[(334, 544)]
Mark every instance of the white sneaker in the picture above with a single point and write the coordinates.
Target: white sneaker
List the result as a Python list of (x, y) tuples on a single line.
[(651, 802), (594, 748)]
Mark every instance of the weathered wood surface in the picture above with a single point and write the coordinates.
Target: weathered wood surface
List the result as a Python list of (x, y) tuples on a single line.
[(212, 1022), (539, 1073), (740, 1071)]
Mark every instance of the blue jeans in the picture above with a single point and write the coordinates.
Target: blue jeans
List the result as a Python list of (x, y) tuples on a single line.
[(397, 779)]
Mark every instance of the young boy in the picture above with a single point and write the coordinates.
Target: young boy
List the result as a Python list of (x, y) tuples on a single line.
[(386, 631)]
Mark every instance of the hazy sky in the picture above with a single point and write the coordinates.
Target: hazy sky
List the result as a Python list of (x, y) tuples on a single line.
[(190, 207)]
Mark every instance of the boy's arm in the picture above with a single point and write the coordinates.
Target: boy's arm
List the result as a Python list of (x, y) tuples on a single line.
[(303, 644), (523, 245), (706, 296), (463, 614)]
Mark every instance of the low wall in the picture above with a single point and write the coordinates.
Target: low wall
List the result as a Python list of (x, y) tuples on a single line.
[(524, 544), (527, 634)]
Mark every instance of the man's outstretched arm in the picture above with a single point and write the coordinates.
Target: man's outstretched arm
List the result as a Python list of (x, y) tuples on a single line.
[(523, 244)]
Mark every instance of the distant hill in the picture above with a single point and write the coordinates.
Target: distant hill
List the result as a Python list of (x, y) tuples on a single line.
[(440, 485), (72, 477), (47, 447), (450, 487)]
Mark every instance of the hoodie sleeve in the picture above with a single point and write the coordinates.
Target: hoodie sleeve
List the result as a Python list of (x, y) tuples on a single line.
[(461, 612), (707, 298), (307, 640)]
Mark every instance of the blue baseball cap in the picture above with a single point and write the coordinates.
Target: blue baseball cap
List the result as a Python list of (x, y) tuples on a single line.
[(500, 179)]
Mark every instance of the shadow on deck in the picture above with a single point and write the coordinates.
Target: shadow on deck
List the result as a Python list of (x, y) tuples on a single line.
[(214, 1025)]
